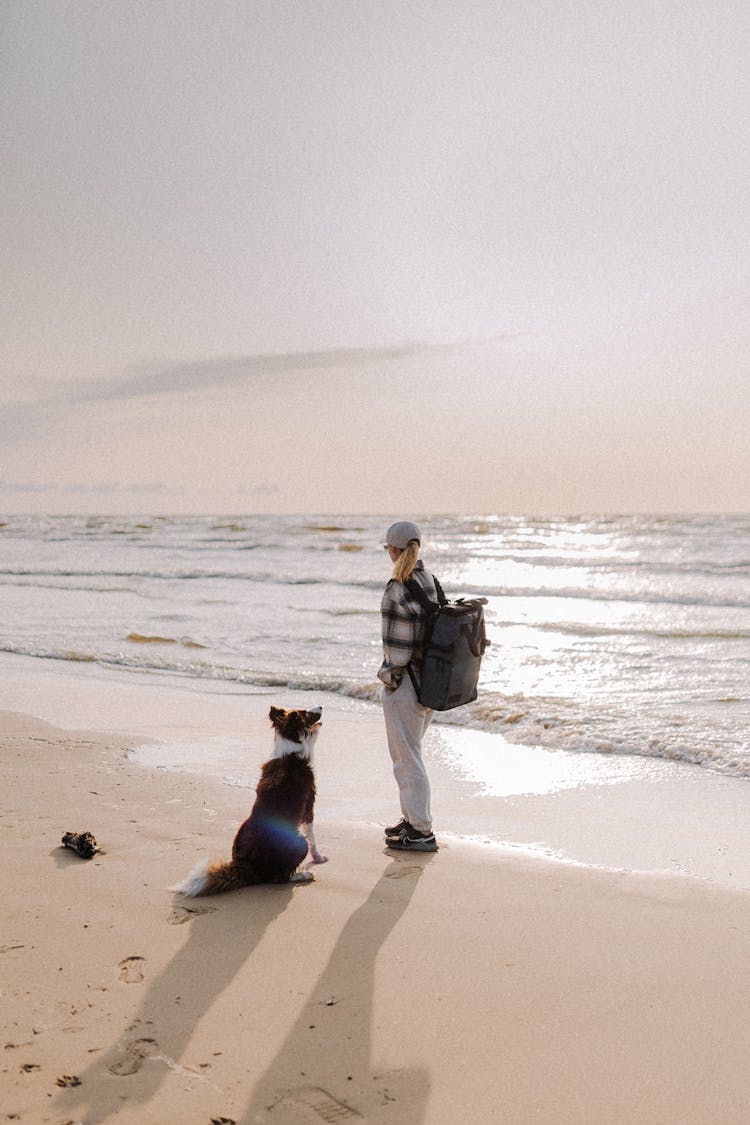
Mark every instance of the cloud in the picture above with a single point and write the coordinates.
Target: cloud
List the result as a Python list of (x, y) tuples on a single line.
[(90, 488), (29, 486), (153, 488), (47, 403), (151, 379), (259, 488)]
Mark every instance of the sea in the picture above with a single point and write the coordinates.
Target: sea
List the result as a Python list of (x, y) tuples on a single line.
[(610, 635)]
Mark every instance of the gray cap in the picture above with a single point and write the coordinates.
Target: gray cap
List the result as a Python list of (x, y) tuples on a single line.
[(401, 534)]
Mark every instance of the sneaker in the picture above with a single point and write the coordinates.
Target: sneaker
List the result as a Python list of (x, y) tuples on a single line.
[(413, 841), (398, 829)]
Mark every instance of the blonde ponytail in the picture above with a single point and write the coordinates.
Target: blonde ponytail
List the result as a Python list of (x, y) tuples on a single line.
[(406, 562)]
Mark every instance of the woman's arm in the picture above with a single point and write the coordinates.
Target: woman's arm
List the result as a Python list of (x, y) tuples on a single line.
[(400, 629)]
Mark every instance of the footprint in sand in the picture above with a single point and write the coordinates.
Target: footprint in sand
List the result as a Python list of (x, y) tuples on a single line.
[(129, 970), (182, 914), (403, 869), (136, 1052), (323, 1104)]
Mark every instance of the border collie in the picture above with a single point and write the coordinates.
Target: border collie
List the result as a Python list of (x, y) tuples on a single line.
[(277, 835)]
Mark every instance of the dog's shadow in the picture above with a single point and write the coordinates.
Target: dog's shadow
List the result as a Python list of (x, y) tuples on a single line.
[(174, 1003), (340, 1082)]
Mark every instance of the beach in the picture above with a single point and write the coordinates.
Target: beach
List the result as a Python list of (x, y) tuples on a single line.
[(281, 277), (524, 980)]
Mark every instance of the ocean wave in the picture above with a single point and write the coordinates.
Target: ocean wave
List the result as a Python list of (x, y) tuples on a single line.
[(610, 565), (86, 587), (324, 611), (144, 639), (198, 669), (612, 597), (454, 590), (194, 574), (580, 630), (555, 723), (168, 574), (561, 725)]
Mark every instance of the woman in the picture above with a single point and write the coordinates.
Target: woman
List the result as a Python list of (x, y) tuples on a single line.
[(406, 720)]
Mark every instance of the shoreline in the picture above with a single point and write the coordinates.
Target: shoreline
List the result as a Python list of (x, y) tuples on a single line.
[(611, 812), (546, 991)]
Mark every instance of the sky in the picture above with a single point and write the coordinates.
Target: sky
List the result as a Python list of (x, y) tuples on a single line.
[(413, 256)]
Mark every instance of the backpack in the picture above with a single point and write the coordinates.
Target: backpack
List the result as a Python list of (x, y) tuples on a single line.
[(454, 643)]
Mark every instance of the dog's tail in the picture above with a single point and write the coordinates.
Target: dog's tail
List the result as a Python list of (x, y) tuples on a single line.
[(210, 879)]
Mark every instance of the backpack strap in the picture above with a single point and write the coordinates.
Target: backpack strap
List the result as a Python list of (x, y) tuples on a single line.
[(427, 603), (430, 606)]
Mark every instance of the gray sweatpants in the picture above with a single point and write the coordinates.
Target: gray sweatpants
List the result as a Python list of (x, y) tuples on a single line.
[(406, 720)]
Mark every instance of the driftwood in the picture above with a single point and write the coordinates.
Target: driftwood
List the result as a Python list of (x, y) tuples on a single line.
[(81, 842)]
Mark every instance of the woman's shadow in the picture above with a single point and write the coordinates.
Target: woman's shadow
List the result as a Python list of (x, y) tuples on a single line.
[(334, 1079), (178, 997)]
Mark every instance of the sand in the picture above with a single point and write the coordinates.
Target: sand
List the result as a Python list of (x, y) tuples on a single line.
[(479, 984)]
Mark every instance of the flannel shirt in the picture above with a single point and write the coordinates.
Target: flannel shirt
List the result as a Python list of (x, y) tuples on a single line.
[(403, 621)]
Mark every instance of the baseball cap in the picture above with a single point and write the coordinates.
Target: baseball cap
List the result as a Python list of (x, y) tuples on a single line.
[(401, 534)]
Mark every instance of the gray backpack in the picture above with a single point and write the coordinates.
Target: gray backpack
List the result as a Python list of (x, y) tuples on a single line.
[(447, 669)]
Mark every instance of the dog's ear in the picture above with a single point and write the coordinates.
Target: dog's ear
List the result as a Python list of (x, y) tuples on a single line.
[(277, 715)]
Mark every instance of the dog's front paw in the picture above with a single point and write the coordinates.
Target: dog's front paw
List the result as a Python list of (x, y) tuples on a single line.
[(302, 877), (318, 857)]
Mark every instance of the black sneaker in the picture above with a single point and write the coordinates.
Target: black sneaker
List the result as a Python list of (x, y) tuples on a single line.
[(413, 841), (398, 829)]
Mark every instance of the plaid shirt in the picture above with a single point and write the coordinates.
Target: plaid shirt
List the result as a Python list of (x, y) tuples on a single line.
[(403, 625)]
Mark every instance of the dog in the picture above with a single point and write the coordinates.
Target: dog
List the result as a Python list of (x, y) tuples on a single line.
[(278, 833)]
